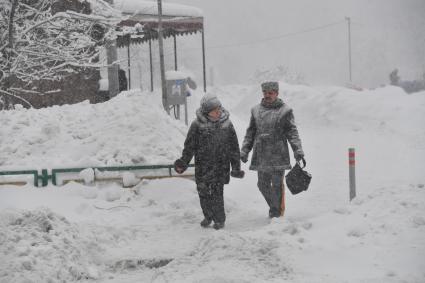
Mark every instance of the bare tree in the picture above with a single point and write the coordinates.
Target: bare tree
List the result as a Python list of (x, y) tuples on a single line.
[(46, 40)]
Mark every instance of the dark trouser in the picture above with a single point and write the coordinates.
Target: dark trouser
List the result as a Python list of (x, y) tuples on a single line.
[(270, 185), (212, 202)]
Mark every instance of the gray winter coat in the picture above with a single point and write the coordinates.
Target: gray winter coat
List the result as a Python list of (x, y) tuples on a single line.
[(215, 147), (270, 129)]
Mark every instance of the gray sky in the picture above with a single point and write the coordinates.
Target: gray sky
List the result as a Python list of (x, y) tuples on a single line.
[(385, 34)]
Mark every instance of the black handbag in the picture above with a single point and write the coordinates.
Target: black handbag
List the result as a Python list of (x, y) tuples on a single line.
[(297, 179)]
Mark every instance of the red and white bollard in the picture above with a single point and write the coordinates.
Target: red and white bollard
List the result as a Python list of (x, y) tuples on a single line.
[(352, 172)]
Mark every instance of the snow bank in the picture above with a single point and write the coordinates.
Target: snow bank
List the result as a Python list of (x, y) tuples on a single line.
[(387, 109), (41, 246), (130, 129)]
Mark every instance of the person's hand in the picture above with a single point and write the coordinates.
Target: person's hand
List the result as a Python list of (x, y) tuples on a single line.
[(179, 166), (237, 174), (300, 159), (244, 157)]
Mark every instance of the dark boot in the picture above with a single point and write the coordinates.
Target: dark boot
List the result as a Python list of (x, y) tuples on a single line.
[(218, 225), (273, 212), (206, 222)]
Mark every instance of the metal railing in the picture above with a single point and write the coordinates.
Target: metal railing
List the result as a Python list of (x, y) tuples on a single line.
[(23, 172), (44, 177)]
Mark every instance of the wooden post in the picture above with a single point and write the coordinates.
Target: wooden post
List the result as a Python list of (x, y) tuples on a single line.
[(352, 172)]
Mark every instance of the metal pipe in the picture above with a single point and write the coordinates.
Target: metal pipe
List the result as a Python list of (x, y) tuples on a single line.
[(175, 52), (150, 62), (161, 59), (352, 172), (128, 64), (349, 46), (203, 60)]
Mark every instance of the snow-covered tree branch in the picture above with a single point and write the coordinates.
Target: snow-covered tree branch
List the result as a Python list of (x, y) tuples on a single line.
[(49, 39)]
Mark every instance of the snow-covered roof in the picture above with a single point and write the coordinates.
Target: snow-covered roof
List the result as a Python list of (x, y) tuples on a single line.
[(177, 19), (151, 8), (103, 8)]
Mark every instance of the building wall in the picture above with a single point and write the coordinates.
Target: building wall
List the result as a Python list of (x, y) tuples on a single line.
[(73, 89)]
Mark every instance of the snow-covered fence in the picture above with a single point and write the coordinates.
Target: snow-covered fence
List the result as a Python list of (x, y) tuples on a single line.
[(109, 173), (18, 177)]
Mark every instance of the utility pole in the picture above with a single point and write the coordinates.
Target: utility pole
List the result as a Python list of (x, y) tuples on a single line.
[(349, 46), (161, 59)]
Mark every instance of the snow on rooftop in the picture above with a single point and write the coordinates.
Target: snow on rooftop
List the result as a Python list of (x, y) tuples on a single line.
[(151, 8), (102, 8), (176, 75)]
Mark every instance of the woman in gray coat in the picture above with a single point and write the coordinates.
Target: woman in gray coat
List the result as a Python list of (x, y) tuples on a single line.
[(270, 129)]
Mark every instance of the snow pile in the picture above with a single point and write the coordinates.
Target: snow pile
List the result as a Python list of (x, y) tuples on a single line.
[(387, 109), (87, 175), (278, 73), (129, 179), (132, 128), (41, 246)]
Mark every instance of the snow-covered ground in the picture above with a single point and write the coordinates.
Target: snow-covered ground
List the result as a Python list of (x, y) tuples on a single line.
[(151, 232)]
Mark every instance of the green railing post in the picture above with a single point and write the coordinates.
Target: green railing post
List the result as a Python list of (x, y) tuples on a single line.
[(53, 177), (35, 179), (45, 177)]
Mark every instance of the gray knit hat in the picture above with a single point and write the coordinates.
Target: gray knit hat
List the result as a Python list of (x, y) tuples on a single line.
[(270, 86), (209, 102)]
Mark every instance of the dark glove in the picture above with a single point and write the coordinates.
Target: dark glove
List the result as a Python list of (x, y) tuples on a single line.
[(244, 157), (237, 174), (300, 159), (179, 166)]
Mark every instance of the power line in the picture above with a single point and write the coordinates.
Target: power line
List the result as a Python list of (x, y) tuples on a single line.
[(259, 41), (253, 42), (268, 38), (276, 37)]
